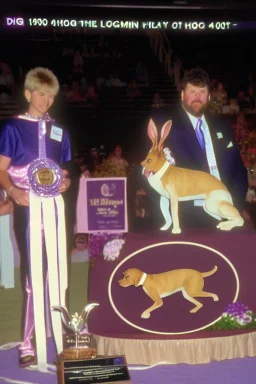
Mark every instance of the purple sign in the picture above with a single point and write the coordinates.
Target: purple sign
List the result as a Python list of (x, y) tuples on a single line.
[(105, 201)]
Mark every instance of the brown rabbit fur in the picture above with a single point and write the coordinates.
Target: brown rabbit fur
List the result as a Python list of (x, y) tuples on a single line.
[(184, 184)]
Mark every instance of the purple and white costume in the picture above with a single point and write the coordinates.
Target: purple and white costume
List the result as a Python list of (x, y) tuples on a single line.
[(43, 240)]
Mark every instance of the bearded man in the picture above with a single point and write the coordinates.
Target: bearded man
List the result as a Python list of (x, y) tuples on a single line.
[(203, 142)]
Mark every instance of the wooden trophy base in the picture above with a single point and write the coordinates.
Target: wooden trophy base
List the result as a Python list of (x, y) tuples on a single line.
[(71, 356), (77, 353)]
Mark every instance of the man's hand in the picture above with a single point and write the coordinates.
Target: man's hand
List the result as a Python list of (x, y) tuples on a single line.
[(19, 196)]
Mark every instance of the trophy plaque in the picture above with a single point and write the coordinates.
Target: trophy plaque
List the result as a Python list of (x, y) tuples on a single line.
[(108, 370)]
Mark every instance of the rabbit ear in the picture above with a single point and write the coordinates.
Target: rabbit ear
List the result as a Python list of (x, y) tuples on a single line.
[(164, 133), (152, 132)]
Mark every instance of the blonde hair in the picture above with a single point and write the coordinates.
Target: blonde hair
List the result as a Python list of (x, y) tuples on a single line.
[(40, 77)]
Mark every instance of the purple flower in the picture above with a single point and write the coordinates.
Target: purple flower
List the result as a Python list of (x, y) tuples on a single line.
[(236, 309)]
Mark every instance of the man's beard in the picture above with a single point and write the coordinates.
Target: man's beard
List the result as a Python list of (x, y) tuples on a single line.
[(198, 112)]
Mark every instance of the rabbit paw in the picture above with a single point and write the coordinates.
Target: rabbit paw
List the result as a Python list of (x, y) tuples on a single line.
[(176, 230), (166, 226), (145, 315), (228, 225)]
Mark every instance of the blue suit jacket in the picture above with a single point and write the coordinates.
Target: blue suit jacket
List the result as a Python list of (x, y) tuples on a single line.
[(187, 152)]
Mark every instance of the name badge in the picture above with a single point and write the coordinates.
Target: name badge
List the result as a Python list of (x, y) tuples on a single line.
[(56, 133)]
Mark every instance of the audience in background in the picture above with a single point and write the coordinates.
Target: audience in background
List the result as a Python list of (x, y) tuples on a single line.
[(80, 251), (141, 204), (117, 161), (141, 74), (94, 69), (91, 95), (245, 100), (78, 62), (6, 83), (231, 108), (133, 91), (157, 101), (177, 72), (67, 93), (95, 160), (77, 95), (85, 171), (218, 98)]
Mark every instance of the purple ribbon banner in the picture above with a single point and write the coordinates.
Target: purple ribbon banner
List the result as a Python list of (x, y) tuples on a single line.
[(106, 205)]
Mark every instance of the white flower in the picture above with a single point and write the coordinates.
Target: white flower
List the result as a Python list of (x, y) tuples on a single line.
[(168, 155), (224, 314), (112, 249), (247, 319), (241, 322)]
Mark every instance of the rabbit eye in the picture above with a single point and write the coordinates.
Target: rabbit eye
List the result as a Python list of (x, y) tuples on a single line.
[(149, 160)]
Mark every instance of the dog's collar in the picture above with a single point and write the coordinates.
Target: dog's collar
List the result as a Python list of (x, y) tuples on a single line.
[(161, 171), (142, 280)]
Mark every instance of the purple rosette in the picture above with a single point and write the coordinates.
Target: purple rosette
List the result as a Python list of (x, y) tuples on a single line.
[(44, 175), (49, 187)]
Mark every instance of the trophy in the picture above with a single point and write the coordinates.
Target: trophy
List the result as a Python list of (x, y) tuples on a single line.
[(79, 362), (81, 341)]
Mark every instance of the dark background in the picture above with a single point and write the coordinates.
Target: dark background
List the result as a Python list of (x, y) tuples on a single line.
[(229, 55)]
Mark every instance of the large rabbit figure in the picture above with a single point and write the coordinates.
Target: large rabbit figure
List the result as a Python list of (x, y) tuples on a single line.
[(179, 184)]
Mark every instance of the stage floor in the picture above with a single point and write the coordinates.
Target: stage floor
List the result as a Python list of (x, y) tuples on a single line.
[(172, 330)]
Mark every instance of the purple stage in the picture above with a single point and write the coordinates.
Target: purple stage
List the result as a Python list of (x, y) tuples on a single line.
[(119, 315), (118, 323), (238, 371)]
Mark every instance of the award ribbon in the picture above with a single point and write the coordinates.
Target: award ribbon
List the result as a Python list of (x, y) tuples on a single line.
[(46, 219)]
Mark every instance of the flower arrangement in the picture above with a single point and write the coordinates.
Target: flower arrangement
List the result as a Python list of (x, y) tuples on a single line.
[(236, 316), (112, 249), (97, 241)]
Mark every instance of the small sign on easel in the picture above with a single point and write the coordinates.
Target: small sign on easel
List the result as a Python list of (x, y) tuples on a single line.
[(102, 205)]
